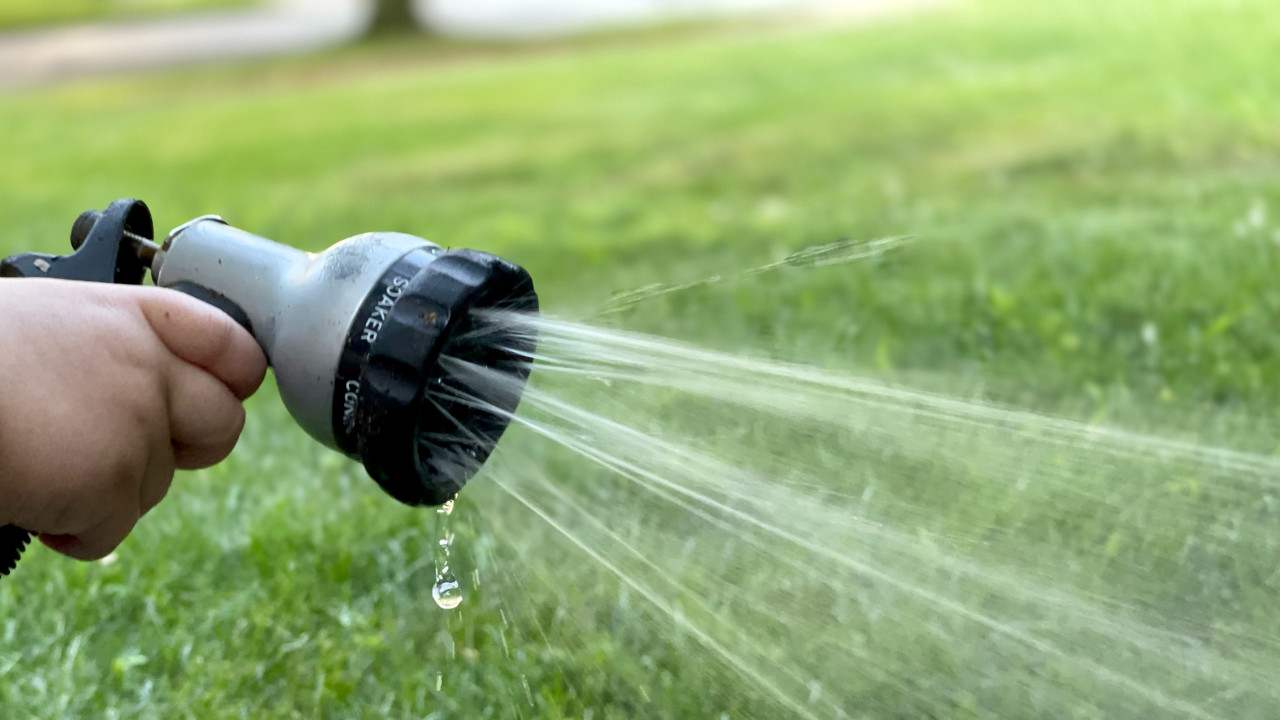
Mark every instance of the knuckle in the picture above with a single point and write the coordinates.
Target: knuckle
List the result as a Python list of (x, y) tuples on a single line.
[(127, 342), (122, 477), (94, 549), (235, 423), (216, 442), (222, 337), (157, 489), (226, 428), (65, 510), (224, 441), (98, 546)]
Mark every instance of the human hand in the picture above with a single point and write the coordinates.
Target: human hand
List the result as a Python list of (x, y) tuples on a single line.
[(108, 389)]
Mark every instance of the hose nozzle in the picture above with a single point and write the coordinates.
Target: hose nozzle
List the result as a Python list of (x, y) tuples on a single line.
[(374, 342), (367, 340)]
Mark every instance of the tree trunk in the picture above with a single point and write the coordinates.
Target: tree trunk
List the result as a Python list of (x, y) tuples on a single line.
[(393, 17)]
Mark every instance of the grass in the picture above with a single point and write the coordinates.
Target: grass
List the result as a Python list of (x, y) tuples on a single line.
[(1094, 188), (22, 14)]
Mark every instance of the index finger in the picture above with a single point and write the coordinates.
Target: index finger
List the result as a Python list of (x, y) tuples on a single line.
[(206, 337)]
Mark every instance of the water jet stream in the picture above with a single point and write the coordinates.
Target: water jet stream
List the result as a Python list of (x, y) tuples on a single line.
[(826, 532)]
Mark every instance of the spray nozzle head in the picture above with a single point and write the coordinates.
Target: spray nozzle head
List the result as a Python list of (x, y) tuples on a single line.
[(425, 424)]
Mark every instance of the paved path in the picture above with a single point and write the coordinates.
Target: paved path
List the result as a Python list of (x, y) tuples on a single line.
[(43, 56)]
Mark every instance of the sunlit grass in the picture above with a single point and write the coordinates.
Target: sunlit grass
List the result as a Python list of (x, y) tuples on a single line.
[(1092, 193)]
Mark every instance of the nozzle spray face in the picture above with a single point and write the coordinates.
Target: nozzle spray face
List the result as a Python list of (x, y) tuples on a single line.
[(361, 338), (420, 429)]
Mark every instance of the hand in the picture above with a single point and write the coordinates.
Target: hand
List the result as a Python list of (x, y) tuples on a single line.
[(106, 390)]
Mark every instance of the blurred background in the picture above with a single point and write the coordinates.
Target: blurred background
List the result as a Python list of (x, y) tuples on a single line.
[(47, 41), (1090, 190)]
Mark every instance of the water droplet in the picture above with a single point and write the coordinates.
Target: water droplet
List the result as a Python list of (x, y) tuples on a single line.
[(528, 692), (447, 591)]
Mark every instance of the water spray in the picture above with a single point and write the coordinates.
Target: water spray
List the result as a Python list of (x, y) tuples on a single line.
[(354, 335)]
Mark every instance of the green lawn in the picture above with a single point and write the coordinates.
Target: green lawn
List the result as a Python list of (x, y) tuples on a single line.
[(1093, 188), (15, 14)]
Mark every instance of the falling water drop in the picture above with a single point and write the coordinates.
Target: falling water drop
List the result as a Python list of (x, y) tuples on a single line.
[(447, 591)]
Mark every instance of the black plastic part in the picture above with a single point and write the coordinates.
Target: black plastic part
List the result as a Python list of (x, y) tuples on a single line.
[(414, 434), (374, 310), (101, 250), (13, 540), (83, 225), (216, 299)]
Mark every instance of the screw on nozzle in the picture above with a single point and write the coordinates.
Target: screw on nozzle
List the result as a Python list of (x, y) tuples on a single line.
[(143, 247)]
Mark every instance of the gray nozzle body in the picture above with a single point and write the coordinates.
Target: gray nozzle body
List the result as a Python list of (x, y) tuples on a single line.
[(299, 306)]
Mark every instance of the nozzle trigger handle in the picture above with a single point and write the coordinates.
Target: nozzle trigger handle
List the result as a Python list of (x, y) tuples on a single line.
[(216, 299), (13, 540)]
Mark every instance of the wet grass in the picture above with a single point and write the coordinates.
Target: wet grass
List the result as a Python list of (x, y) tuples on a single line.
[(1094, 193)]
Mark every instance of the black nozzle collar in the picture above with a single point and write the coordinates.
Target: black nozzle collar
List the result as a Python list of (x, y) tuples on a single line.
[(420, 430)]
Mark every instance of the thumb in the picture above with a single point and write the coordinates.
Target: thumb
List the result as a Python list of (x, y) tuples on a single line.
[(202, 335)]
